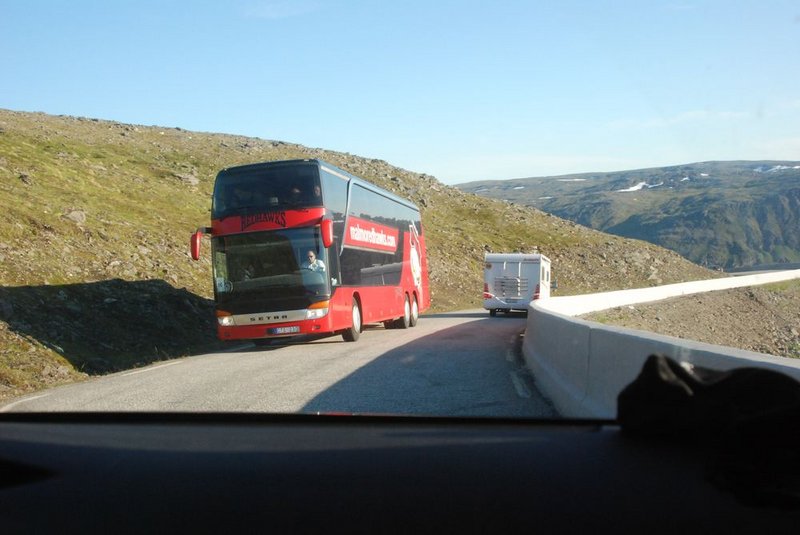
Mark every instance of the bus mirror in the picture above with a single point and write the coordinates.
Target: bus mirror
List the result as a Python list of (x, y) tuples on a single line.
[(194, 244), (326, 228), (194, 241)]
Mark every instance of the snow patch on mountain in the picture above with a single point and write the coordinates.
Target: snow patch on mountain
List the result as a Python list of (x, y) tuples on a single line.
[(775, 168), (640, 186)]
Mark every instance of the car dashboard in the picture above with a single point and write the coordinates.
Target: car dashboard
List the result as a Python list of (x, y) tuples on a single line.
[(127, 472)]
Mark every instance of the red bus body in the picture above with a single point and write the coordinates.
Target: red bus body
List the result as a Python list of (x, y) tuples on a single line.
[(375, 260)]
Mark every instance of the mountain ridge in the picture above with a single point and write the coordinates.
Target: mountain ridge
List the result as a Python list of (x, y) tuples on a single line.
[(721, 214)]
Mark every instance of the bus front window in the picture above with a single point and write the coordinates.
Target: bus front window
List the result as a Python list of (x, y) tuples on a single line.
[(273, 264)]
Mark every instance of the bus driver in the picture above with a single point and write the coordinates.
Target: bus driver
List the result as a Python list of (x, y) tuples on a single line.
[(313, 263)]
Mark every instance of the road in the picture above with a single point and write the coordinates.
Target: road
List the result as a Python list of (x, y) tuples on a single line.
[(454, 364)]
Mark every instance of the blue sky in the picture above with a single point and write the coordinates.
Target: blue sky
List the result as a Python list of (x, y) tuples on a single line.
[(462, 90)]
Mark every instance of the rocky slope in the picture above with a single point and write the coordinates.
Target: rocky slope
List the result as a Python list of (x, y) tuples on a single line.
[(765, 319)]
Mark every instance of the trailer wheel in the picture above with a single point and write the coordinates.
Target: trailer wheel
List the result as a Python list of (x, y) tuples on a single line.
[(352, 334)]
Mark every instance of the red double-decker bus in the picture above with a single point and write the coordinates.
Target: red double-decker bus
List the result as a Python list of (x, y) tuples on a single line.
[(302, 247)]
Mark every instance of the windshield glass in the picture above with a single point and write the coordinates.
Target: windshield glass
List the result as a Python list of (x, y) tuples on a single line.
[(405, 208), (269, 266)]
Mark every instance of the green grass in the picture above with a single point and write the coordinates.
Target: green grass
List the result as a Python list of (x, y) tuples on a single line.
[(788, 286)]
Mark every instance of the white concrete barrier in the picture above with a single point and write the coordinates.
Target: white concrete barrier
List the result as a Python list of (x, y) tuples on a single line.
[(549, 336), (575, 305), (582, 366)]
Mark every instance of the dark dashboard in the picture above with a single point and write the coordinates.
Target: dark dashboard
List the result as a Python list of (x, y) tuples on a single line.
[(80, 473)]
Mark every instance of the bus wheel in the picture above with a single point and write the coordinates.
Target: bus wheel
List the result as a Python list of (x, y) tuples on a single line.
[(493, 312), (405, 321), (414, 312), (352, 334)]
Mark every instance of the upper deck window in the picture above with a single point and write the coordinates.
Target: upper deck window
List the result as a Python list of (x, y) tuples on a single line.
[(261, 189)]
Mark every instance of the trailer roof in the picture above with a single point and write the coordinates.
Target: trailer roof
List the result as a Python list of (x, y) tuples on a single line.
[(515, 257)]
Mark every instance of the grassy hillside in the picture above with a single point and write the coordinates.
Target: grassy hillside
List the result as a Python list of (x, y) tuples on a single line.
[(94, 224), (718, 214)]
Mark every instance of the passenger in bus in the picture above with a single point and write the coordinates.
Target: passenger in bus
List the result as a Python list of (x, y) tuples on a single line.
[(249, 271), (313, 263), (298, 196), (295, 195)]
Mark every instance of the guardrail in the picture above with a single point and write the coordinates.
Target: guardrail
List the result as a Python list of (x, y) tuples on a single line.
[(582, 365)]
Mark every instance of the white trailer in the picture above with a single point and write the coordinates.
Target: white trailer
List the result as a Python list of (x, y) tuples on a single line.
[(512, 280)]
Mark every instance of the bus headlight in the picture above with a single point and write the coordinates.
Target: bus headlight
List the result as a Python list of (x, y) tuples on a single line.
[(224, 318), (317, 310)]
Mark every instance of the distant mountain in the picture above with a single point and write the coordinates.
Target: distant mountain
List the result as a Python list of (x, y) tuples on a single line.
[(717, 214)]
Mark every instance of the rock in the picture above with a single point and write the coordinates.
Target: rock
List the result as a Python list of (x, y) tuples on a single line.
[(189, 179), (76, 216)]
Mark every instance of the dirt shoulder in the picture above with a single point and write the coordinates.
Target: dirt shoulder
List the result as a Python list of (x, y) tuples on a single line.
[(765, 319)]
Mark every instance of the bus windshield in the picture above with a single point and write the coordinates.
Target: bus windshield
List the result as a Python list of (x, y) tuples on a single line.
[(274, 264), (244, 190)]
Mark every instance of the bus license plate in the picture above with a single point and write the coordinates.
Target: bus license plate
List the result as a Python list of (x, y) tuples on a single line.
[(285, 330)]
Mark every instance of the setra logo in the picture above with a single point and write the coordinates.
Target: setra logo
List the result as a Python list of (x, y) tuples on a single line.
[(254, 319)]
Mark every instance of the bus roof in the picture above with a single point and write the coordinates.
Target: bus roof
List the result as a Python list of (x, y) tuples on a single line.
[(322, 164), (260, 165)]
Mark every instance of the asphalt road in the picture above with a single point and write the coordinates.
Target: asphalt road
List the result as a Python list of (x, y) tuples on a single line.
[(454, 364)]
